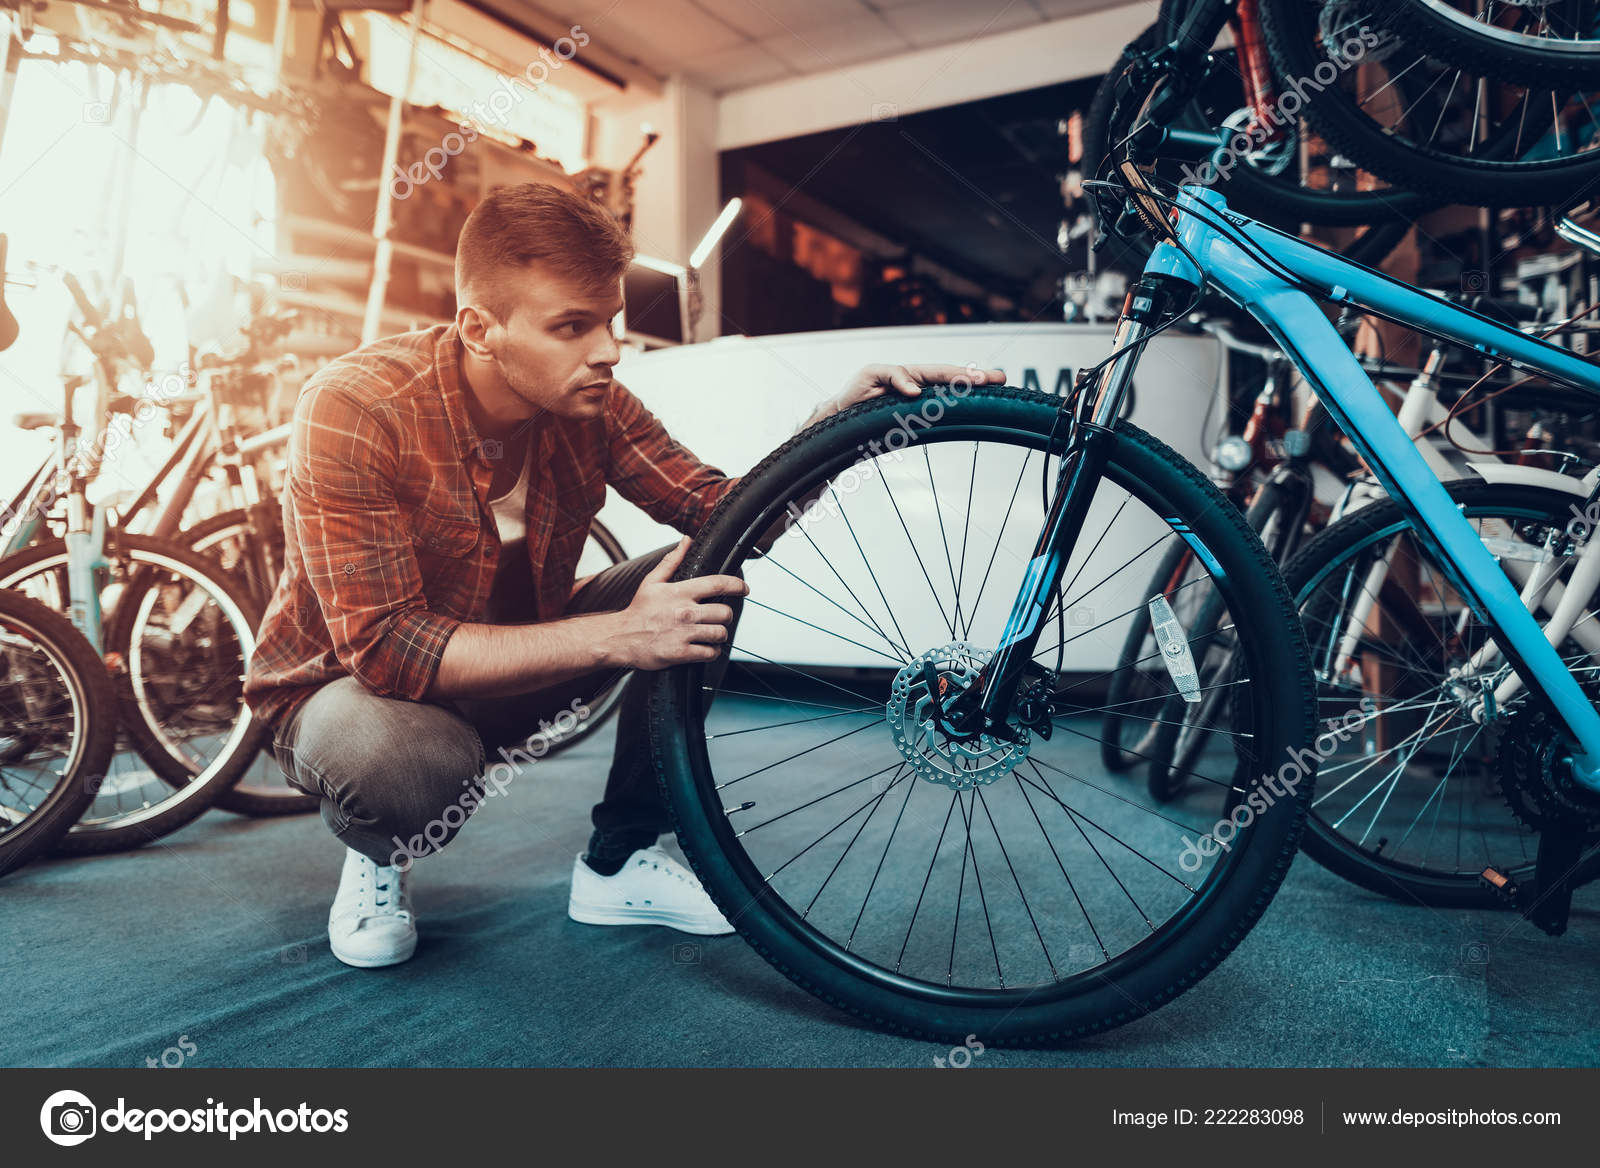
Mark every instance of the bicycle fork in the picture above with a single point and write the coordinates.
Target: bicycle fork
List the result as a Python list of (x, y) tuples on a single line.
[(985, 706)]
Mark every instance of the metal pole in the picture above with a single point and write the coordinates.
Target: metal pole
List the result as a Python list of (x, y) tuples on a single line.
[(383, 222), (280, 39), (8, 80)]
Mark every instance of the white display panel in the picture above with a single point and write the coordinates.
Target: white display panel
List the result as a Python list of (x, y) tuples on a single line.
[(732, 401)]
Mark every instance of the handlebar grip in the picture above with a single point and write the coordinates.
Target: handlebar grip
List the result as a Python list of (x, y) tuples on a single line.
[(90, 312), (1196, 144)]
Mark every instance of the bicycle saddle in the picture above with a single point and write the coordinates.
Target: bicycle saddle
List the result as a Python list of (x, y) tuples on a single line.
[(8, 323), (36, 420)]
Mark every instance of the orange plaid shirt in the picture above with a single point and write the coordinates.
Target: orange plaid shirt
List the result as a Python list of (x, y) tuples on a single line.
[(390, 541)]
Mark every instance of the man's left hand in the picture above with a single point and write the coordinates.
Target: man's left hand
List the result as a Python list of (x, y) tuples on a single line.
[(908, 380)]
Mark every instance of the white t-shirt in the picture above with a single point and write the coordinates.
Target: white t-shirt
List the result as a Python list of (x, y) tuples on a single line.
[(510, 510)]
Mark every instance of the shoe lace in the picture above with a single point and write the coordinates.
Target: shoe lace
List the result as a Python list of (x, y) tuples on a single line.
[(384, 889), (676, 871)]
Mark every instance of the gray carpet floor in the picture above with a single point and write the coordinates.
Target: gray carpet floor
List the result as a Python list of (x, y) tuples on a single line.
[(211, 947)]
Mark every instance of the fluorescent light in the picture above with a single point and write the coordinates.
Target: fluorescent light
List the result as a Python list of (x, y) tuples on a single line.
[(709, 241), (665, 267)]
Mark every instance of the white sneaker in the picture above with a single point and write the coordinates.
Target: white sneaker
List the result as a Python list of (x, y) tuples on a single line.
[(370, 923), (650, 889)]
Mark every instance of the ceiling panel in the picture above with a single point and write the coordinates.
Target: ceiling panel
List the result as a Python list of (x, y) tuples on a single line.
[(730, 44), (927, 23), (759, 19), (742, 65), (834, 45)]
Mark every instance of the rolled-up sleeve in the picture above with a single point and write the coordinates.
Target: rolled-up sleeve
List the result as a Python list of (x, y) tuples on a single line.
[(356, 547), (655, 471)]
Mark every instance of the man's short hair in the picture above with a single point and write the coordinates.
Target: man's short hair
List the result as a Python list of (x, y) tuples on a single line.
[(536, 223)]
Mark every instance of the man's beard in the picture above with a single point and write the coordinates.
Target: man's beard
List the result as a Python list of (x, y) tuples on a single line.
[(519, 382)]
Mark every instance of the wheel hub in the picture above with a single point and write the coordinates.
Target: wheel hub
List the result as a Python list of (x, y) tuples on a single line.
[(932, 753)]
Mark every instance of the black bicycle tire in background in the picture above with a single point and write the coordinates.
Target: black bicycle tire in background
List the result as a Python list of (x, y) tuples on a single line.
[(1140, 978), (602, 706), (1376, 523), (1181, 734), (1387, 215), (210, 536), (1113, 755), (1496, 179), (1505, 57), (140, 559), (94, 734)]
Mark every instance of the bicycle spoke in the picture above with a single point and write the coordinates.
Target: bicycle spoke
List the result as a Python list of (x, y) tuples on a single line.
[(902, 652), (900, 960), (792, 757), (935, 592), (796, 722), (1017, 880), (938, 512), (876, 872), (813, 803), (829, 632)]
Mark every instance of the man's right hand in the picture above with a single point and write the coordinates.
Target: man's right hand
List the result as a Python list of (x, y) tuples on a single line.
[(669, 623)]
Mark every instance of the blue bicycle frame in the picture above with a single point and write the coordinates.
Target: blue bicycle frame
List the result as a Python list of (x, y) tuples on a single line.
[(1310, 340)]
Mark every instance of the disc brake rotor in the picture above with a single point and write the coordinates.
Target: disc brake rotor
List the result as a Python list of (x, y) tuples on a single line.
[(932, 753)]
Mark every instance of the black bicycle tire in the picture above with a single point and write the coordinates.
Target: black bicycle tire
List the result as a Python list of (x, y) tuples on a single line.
[(1234, 898), (117, 634), (96, 701), (1112, 756), (254, 802), (1290, 27), (1388, 215), (605, 708), (1502, 59)]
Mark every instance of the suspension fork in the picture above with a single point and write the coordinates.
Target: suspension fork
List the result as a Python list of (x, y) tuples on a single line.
[(985, 705), (1255, 69)]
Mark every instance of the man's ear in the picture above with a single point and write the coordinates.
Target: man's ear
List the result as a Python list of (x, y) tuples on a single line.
[(473, 323)]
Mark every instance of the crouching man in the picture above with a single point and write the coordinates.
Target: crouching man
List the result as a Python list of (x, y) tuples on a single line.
[(440, 490)]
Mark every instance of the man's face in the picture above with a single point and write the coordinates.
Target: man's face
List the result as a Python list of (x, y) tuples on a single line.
[(555, 350)]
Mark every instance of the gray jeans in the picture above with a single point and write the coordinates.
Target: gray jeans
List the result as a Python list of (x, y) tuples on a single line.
[(396, 776)]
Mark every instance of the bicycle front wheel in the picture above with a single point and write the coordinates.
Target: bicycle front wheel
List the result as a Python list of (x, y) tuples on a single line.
[(1011, 890)]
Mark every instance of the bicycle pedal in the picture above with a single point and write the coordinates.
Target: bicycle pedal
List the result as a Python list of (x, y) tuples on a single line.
[(1501, 885)]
